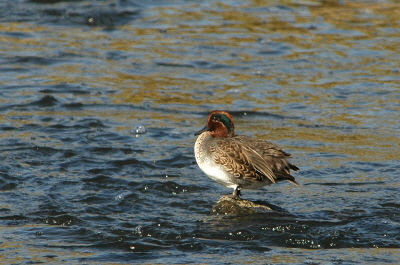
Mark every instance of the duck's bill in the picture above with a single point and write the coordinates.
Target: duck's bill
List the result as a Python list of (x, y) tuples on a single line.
[(205, 129)]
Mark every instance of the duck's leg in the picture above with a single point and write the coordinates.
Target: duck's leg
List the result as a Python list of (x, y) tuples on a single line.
[(236, 192)]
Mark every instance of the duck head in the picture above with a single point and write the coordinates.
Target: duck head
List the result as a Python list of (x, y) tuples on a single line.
[(219, 124)]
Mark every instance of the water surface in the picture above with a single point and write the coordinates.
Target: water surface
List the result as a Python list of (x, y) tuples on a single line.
[(79, 185)]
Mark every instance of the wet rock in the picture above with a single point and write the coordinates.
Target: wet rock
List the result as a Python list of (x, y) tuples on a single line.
[(237, 206)]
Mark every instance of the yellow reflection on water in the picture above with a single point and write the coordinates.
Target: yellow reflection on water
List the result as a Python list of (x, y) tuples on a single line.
[(331, 27)]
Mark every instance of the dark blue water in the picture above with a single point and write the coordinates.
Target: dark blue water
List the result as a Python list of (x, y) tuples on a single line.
[(81, 181)]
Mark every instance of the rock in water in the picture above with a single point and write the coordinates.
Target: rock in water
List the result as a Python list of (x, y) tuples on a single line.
[(237, 206)]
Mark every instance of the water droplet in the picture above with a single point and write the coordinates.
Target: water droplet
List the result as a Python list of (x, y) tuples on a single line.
[(259, 73), (140, 129), (119, 197)]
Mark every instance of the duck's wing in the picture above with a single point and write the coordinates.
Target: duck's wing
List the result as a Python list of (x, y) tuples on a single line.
[(241, 160), (275, 157)]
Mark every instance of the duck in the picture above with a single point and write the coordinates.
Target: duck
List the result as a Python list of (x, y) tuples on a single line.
[(239, 161)]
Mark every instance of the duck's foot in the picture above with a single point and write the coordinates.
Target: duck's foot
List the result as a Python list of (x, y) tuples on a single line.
[(233, 197), (236, 193)]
